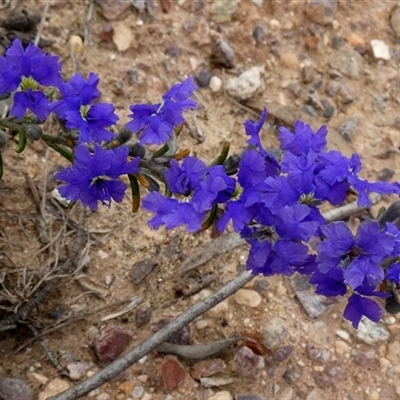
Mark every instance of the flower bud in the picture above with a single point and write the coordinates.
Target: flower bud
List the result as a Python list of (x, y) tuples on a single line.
[(137, 150), (392, 214), (124, 135), (33, 132), (231, 164)]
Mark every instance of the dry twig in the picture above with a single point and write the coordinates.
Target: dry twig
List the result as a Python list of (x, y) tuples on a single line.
[(42, 21), (70, 320), (159, 337), (48, 353), (22, 314)]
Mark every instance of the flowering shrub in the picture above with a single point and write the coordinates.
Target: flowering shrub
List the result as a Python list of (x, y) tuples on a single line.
[(273, 204)]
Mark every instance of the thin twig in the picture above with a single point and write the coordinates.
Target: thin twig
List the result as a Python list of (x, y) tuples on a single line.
[(22, 314), (146, 347), (70, 321), (88, 20), (48, 353), (42, 21), (200, 135), (343, 212), (45, 176)]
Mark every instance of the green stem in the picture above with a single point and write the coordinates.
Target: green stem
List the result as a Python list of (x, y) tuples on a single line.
[(135, 192), (223, 155), (22, 141), (61, 150), (161, 151), (9, 124), (211, 218)]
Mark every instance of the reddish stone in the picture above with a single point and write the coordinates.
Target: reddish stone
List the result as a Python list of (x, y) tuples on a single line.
[(112, 9), (248, 363), (207, 368), (181, 337), (15, 389), (172, 373), (166, 5), (111, 343)]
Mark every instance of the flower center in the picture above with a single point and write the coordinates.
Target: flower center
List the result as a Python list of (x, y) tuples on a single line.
[(28, 83)]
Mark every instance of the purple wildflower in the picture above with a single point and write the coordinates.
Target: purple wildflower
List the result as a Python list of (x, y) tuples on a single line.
[(253, 130), (359, 306), (156, 122), (26, 69), (303, 140), (359, 256), (197, 188), (77, 110), (94, 177), (393, 273)]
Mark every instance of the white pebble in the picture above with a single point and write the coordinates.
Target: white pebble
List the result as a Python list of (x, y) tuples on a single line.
[(380, 49), (215, 84), (138, 392), (275, 24), (343, 334)]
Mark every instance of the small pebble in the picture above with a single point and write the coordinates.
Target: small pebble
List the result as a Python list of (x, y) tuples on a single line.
[(103, 396), (283, 353), (249, 298), (285, 394), (57, 313), (348, 127), (386, 174), (138, 392), (215, 84), (275, 332), (259, 34), (248, 363), (292, 374), (53, 388), (224, 395), (261, 285), (246, 84), (15, 389), (203, 78), (295, 89), (310, 110), (307, 74), (143, 316), (380, 49), (342, 347), (370, 332), (274, 24), (343, 334), (329, 109), (322, 11), (248, 397)]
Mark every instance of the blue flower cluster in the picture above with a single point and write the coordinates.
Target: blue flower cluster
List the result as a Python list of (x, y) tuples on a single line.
[(273, 204), (93, 178)]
